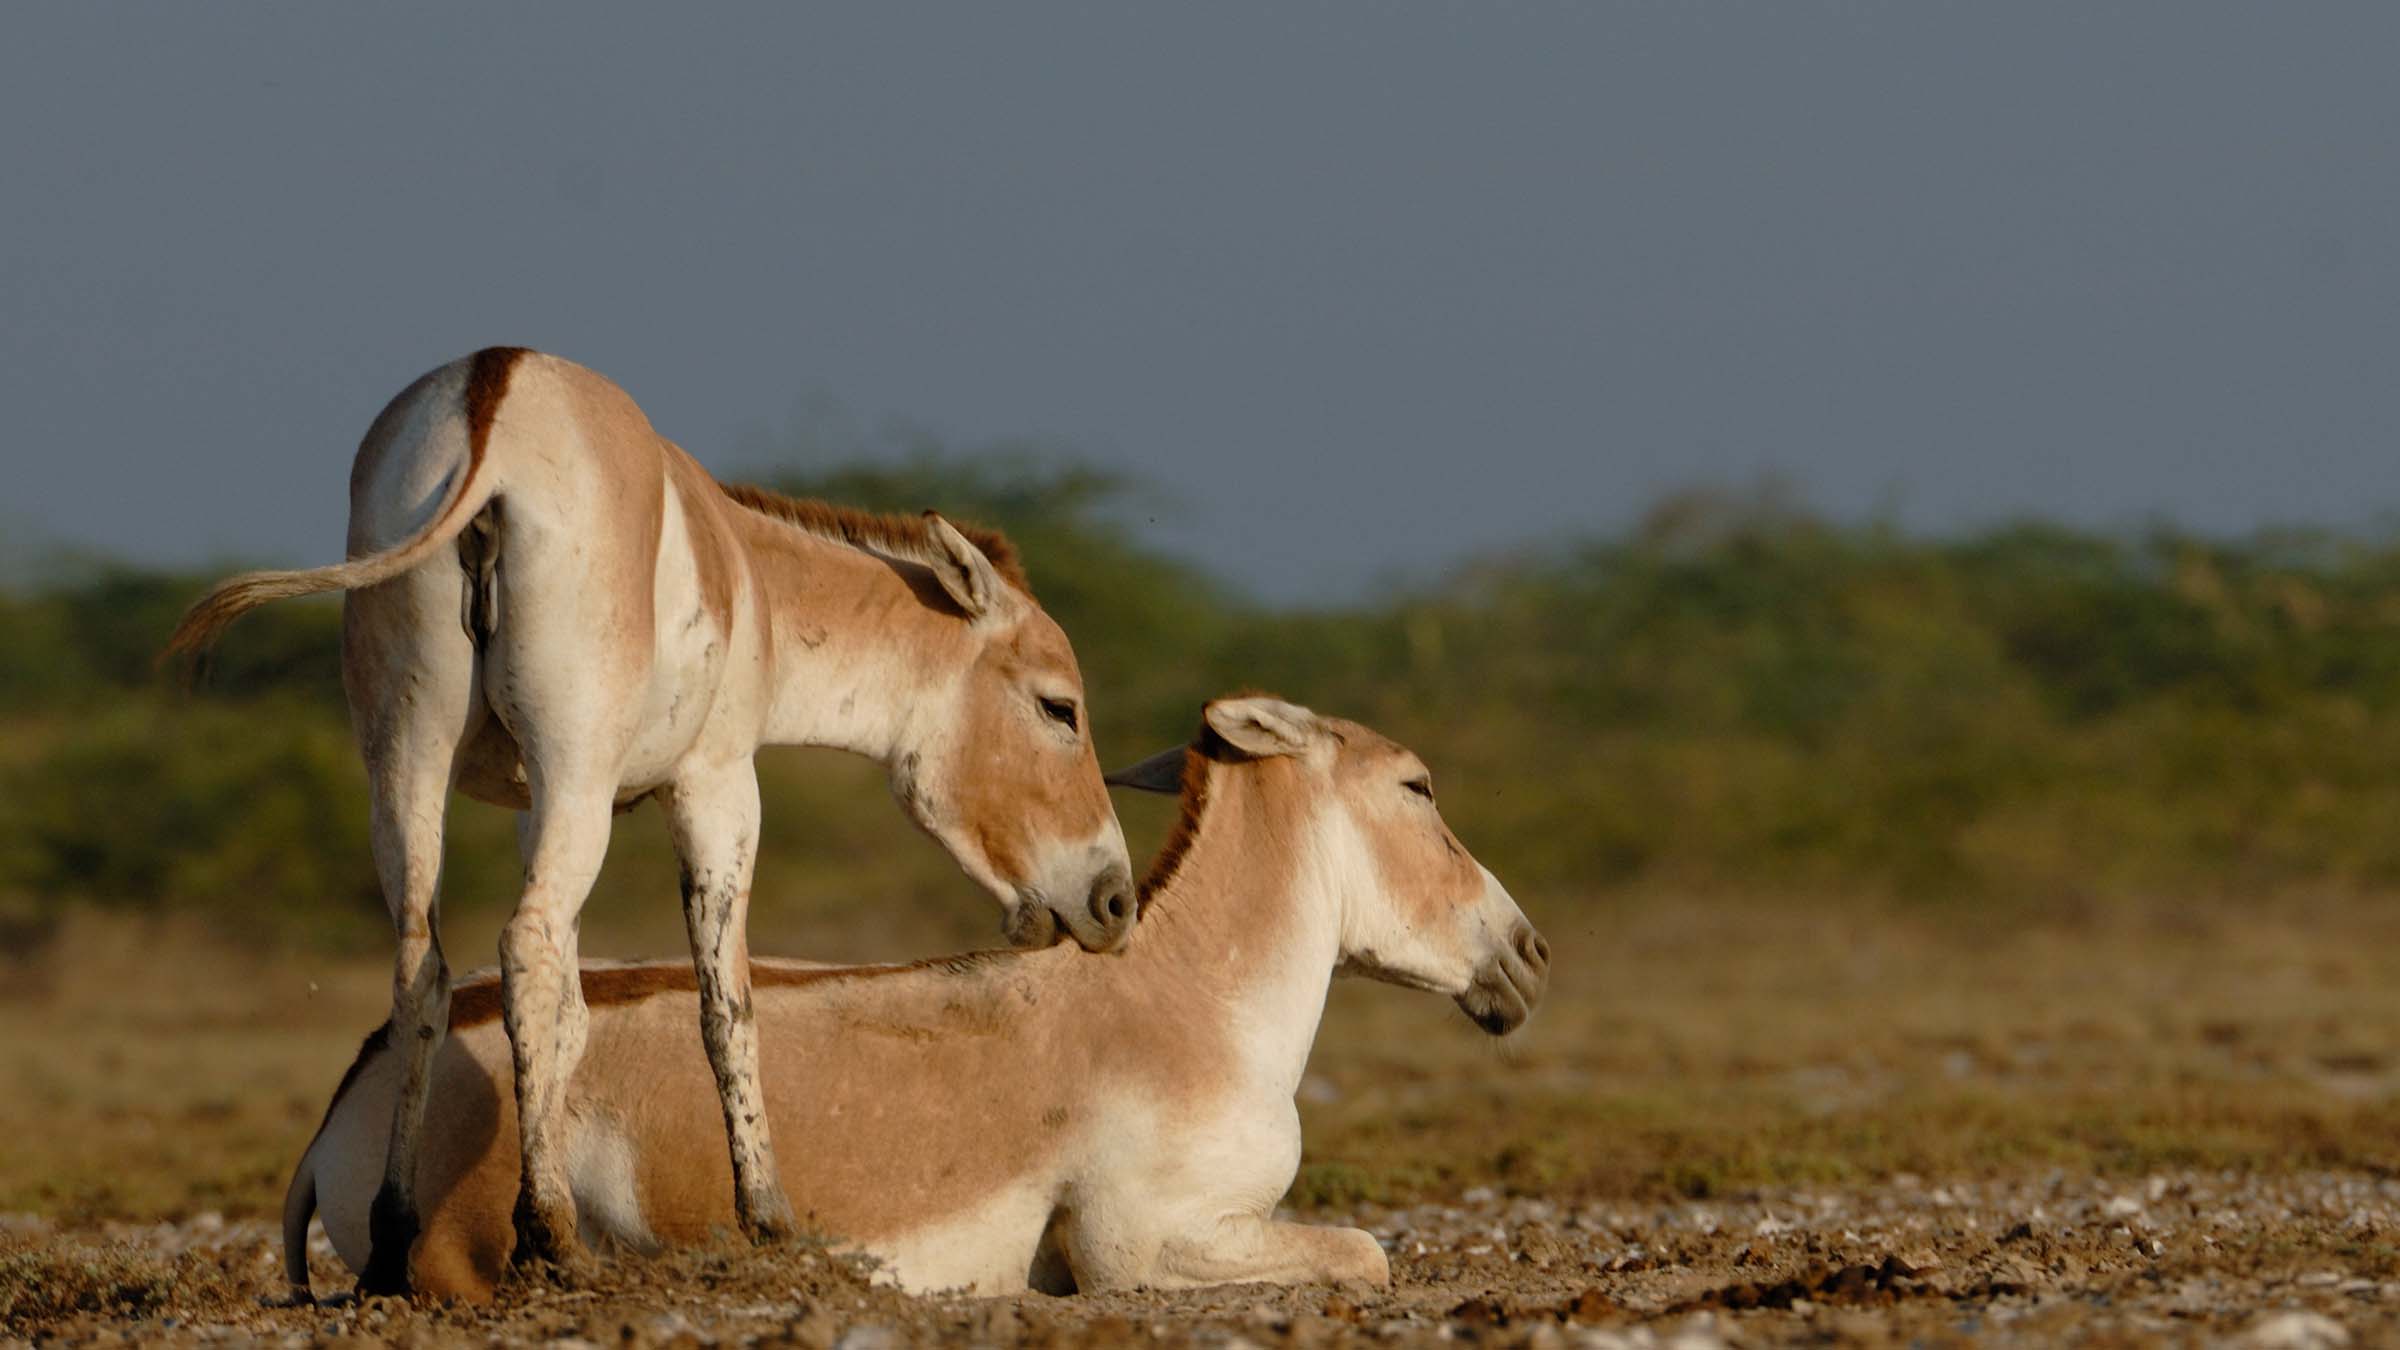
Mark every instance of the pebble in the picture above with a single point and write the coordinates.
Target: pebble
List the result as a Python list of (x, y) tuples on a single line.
[(2296, 1330), (868, 1336)]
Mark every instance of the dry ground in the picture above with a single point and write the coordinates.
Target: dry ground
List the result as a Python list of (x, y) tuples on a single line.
[(2178, 1258), (1735, 1122)]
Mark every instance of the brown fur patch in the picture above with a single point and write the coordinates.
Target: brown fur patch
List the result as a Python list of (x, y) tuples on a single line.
[(902, 536), (487, 383)]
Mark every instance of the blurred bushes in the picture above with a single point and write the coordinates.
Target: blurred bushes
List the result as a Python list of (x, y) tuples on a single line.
[(212, 803), (1733, 695)]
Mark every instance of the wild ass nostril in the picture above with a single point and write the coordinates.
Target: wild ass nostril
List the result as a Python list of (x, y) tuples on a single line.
[(1534, 948), (1112, 902)]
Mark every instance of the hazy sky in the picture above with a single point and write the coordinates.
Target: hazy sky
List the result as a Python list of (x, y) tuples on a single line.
[(1365, 286)]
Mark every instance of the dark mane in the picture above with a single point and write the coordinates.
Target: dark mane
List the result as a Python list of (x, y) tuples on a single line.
[(1191, 805), (892, 535)]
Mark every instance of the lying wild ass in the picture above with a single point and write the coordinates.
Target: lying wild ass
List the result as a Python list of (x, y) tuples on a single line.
[(962, 1122), (552, 607)]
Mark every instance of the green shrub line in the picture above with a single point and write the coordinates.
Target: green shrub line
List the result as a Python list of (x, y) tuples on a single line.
[(1732, 694)]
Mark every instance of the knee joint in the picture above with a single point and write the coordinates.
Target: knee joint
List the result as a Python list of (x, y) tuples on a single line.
[(530, 935)]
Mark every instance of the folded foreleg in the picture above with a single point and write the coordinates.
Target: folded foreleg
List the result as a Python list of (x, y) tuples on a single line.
[(1244, 1249)]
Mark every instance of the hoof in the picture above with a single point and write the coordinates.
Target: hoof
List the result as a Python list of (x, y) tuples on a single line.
[(391, 1235), (290, 1298), (382, 1278), (545, 1259), (548, 1252), (766, 1216), (573, 1273), (773, 1234), (767, 1225)]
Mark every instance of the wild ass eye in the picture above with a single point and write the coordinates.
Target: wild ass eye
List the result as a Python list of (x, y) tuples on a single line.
[(1423, 787), (1058, 710)]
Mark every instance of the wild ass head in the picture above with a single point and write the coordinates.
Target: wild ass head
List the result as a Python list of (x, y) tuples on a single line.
[(1415, 908), (998, 765)]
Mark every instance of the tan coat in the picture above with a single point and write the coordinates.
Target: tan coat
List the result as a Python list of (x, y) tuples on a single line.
[(1007, 1120), (551, 606)]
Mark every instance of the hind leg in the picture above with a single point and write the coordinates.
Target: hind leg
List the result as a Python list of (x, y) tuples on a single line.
[(408, 846), (563, 838), (409, 674), (565, 673), (713, 814)]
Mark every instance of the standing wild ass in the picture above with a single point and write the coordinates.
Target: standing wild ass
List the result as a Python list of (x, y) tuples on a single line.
[(552, 607), (962, 1125)]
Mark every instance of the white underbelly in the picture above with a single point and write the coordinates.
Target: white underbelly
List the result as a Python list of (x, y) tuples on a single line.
[(988, 1249)]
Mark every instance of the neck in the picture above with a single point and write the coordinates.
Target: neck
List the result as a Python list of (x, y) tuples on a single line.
[(853, 640), (1244, 935)]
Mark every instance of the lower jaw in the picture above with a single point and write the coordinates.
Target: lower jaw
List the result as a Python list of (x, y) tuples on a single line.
[(1496, 1018), (1034, 929)]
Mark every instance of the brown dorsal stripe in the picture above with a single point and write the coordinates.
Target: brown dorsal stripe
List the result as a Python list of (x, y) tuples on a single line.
[(477, 1001), (487, 383)]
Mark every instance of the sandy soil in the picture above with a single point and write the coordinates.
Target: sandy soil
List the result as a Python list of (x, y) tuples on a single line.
[(2132, 1127), (2298, 1260)]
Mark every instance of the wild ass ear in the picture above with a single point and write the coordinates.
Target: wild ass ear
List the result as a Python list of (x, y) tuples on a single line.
[(965, 573), (1262, 726), (1162, 772)]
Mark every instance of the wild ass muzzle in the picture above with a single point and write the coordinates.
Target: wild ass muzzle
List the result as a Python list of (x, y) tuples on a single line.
[(961, 1125), (552, 607)]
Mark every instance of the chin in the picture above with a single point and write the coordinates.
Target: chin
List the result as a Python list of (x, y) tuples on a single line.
[(1501, 996), (1497, 1017), (1032, 925)]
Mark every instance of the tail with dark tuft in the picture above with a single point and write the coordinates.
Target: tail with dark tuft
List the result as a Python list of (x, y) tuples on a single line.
[(299, 1206), (236, 596)]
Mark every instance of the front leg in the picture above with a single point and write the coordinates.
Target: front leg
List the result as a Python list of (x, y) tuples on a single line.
[(1243, 1248), (713, 814)]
